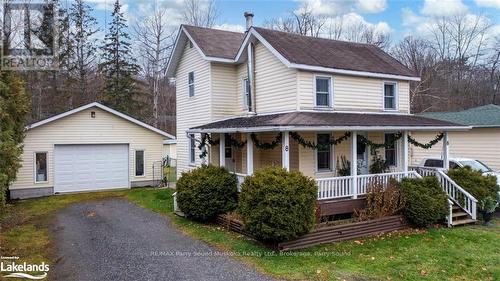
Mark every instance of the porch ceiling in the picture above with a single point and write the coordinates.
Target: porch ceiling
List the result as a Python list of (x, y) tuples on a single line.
[(327, 121)]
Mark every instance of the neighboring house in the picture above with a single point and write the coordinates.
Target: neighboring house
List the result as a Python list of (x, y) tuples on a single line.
[(170, 148), (268, 83), (481, 143), (92, 147)]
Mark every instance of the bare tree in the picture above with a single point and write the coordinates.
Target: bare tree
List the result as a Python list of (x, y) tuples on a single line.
[(200, 13), (156, 41), (303, 21)]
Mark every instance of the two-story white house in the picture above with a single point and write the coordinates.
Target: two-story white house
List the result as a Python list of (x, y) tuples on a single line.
[(266, 97)]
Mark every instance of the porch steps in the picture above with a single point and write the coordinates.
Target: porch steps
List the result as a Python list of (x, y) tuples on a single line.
[(459, 217)]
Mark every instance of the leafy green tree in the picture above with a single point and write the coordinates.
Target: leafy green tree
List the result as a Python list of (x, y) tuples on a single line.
[(14, 107), (119, 67)]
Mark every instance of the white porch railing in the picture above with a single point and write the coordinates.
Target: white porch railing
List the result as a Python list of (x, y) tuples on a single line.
[(339, 187), (425, 171)]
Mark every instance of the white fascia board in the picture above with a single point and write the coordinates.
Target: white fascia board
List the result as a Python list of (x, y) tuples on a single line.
[(331, 128), (174, 60), (105, 108)]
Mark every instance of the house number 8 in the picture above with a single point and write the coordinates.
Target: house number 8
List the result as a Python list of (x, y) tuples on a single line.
[(286, 148)]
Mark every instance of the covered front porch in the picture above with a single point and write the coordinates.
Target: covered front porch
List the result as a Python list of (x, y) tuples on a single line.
[(312, 154), (343, 152)]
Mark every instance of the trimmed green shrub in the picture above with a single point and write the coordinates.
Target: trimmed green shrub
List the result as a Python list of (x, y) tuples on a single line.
[(425, 201), (474, 182), (207, 191), (277, 205)]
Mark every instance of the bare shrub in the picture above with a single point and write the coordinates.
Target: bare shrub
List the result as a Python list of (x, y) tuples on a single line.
[(381, 201)]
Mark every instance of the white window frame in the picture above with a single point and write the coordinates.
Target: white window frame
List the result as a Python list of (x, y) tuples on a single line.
[(245, 93), (143, 163), (47, 168), (332, 155), (192, 152), (191, 85), (330, 91), (396, 149), (396, 95)]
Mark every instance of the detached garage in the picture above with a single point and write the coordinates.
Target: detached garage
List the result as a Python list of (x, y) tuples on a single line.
[(90, 148)]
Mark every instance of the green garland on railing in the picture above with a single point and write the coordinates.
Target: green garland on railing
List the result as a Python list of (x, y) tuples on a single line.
[(265, 145), (374, 145), (312, 145), (428, 145)]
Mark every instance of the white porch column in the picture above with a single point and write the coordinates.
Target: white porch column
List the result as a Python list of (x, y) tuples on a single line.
[(354, 164), (249, 154), (285, 151), (446, 152), (222, 150), (405, 152)]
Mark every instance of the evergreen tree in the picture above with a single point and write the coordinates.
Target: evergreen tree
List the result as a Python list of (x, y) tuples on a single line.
[(14, 108), (119, 67), (84, 47)]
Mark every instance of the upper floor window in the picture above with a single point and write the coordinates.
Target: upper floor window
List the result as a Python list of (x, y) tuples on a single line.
[(40, 166), (247, 94), (390, 98), (323, 153), (191, 83), (391, 151), (323, 91)]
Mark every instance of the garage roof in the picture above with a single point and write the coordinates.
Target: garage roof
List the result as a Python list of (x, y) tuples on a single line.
[(487, 116), (105, 108)]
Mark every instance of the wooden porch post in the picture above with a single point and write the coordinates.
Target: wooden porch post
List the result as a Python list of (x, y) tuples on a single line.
[(446, 152), (285, 151), (405, 152), (222, 150), (354, 164), (249, 154)]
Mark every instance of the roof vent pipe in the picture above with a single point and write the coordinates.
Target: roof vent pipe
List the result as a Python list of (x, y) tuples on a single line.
[(249, 18)]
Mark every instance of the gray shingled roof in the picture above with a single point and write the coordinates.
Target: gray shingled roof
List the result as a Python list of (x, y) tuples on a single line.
[(300, 49), (326, 119), (483, 116), (216, 43), (336, 54)]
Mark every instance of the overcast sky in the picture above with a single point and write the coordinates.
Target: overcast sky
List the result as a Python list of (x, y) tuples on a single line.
[(397, 18)]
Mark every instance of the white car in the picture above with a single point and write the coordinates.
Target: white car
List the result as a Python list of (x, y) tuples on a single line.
[(437, 162)]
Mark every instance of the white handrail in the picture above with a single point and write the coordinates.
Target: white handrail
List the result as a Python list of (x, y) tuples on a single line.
[(240, 178), (454, 192)]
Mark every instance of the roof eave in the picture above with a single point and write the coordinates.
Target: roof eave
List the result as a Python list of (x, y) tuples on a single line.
[(327, 128)]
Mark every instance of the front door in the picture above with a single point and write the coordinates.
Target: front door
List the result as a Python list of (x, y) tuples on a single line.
[(362, 158)]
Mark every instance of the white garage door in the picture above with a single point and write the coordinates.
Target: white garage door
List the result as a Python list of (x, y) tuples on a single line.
[(90, 167)]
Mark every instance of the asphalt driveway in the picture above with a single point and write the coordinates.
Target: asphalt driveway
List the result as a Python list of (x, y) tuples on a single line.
[(117, 240)]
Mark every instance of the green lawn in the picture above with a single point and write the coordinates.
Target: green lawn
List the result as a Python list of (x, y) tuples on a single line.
[(464, 253)]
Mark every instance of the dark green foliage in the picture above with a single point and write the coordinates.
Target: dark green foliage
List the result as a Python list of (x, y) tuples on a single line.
[(14, 107), (207, 191), (474, 182), (119, 67), (379, 165), (277, 205), (425, 201)]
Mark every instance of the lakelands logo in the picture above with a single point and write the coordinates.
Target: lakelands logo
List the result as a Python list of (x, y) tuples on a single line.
[(29, 37), (22, 270)]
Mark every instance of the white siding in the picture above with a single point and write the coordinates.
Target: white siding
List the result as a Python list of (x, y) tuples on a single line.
[(224, 91), (191, 111), (480, 143), (80, 128), (351, 93), (275, 84)]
